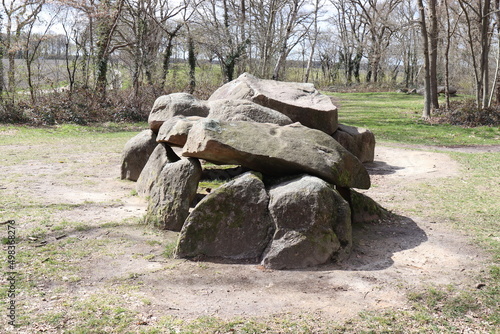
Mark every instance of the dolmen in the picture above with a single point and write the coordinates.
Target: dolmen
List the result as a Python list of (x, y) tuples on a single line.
[(287, 171)]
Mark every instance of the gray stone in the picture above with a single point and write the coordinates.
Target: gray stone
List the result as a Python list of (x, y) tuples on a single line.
[(301, 102), (177, 104), (276, 150), (232, 222), (442, 90), (136, 154), (244, 110), (175, 130), (161, 155), (439, 89), (172, 193), (358, 141), (365, 209), (312, 223)]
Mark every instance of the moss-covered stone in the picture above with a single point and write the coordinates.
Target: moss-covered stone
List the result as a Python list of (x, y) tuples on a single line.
[(231, 222), (172, 193), (136, 154), (365, 209), (276, 150), (312, 222)]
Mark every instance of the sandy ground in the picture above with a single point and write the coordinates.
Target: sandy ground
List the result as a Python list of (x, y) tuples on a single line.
[(389, 258)]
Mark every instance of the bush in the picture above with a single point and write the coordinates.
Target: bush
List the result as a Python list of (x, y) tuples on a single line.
[(11, 113), (81, 106), (466, 113)]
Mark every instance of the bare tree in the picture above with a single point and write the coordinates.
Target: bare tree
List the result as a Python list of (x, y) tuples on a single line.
[(352, 31), (313, 36), (73, 33), (264, 30), (294, 6), (170, 19), (479, 30), (108, 14), (377, 15), (451, 24), (19, 14), (407, 45), (219, 21), (31, 46), (140, 33)]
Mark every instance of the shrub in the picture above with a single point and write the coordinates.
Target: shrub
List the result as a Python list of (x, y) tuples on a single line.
[(12, 113), (466, 113), (81, 106)]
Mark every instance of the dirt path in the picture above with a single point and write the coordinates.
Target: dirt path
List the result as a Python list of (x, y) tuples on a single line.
[(389, 258)]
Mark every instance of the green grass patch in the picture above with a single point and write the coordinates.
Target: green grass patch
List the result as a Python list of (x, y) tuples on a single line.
[(469, 201), (212, 184), (397, 117), (169, 251)]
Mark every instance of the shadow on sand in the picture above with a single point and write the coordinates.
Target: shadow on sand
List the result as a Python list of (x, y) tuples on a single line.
[(381, 168), (375, 243)]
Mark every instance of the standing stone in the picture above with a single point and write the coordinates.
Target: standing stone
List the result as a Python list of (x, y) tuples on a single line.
[(232, 222), (358, 141), (177, 104), (172, 193), (276, 150), (136, 154), (161, 155), (312, 224), (301, 102)]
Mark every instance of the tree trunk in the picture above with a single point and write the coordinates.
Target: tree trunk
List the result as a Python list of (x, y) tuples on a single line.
[(106, 27), (357, 66), (11, 71), (485, 51), (314, 40), (1, 64), (166, 60), (433, 54), (192, 64), (497, 78), (447, 57), (425, 43)]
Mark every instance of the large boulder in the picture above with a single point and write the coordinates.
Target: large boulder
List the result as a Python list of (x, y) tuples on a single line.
[(175, 130), (358, 141), (232, 222), (161, 155), (172, 193), (312, 223), (177, 104), (244, 110), (136, 154), (301, 102), (276, 150)]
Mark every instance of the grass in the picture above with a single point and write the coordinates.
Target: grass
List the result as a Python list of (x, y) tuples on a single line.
[(469, 202), (396, 117)]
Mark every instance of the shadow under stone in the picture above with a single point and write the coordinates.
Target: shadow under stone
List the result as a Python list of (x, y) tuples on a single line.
[(375, 243), (381, 168)]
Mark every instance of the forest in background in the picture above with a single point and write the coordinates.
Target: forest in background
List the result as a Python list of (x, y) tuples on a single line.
[(91, 60)]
